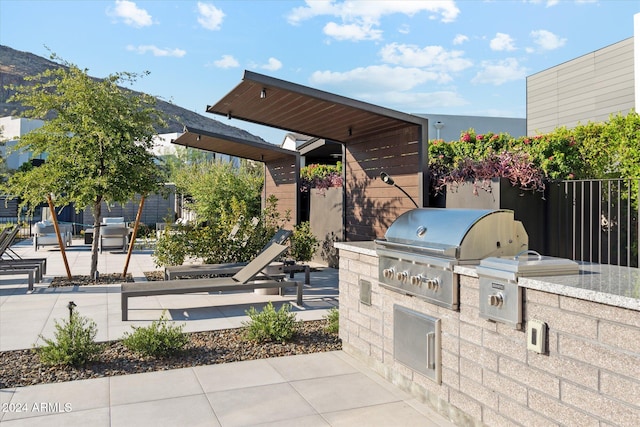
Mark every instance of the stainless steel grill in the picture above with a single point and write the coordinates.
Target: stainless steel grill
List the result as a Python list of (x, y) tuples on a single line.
[(422, 246)]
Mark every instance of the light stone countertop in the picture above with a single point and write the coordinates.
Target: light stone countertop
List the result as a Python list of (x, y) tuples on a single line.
[(365, 248), (605, 284)]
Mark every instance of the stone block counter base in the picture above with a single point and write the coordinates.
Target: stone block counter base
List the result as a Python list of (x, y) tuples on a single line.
[(590, 375)]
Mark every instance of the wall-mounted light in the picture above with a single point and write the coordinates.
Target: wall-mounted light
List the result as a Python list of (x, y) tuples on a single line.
[(229, 115), (350, 131), (388, 180), (198, 138), (263, 93), (438, 125)]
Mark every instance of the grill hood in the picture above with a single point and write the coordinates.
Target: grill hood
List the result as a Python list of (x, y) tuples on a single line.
[(467, 235)]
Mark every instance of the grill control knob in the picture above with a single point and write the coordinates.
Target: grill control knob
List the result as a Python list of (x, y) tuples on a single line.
[(389, 273), (496, 300), (402, 276), (416, 280), (433, 284)]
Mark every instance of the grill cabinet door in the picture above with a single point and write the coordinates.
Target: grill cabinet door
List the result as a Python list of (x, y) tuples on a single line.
[(416, 342)]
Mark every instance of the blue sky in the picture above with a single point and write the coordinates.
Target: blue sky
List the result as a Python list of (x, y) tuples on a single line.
[(467, 57)]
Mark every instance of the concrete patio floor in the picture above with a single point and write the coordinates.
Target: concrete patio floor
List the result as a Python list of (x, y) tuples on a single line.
[(321, 389)]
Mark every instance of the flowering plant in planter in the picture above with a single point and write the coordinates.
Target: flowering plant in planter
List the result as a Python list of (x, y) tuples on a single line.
[(516, 166), (527, 162), (320, 176)]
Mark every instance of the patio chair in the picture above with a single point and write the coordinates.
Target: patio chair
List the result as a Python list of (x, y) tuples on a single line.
[(45, 234), (224, 269), (250, 277), (114, 235)]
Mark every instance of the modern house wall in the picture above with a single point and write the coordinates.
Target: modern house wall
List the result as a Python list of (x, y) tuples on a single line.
[(12, 128), (586, 89)]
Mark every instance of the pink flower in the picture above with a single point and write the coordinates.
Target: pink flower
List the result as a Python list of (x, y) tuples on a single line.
[(571, 176), (479, 137), (527, 141), (466, 137)]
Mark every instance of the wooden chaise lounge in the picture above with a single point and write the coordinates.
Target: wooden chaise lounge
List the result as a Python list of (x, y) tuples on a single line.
[(250, 277)]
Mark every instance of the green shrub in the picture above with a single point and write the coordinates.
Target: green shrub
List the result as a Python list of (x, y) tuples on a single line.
[(303, 243), (172, 246), (156, 340), (210, 240), (73, 344), (333, 321), (271, 325)]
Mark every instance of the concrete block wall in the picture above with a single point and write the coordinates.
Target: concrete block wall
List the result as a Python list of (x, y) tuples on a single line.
[(589, 377)]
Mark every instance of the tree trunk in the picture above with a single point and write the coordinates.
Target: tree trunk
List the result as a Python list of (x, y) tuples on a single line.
[(97, 217)]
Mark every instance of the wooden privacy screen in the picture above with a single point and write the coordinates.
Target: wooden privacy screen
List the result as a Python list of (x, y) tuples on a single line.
[(281, 181), (371, 205)]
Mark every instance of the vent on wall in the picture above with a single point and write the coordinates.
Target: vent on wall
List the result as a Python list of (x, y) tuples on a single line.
[(365, 292)]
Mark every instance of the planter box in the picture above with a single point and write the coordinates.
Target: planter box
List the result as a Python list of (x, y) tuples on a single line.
[(529, 207)]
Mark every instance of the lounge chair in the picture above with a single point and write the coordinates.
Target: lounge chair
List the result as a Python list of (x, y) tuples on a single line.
[(10, 264), (248, 278), (224, 269), (9, 259)]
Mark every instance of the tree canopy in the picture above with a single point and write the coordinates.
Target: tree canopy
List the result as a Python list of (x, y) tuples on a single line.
[(96, 138), (213, 186)]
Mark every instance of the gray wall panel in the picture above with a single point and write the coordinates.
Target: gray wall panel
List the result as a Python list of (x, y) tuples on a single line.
[(588, 88)]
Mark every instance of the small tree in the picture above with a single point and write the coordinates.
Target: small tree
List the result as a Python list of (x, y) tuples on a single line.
[(96, 137)]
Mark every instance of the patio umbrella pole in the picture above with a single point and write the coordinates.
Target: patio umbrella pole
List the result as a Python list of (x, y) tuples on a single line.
[(56, 227), (133, 237)]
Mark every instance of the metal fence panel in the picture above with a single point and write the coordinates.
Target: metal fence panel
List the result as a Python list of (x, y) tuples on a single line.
[(594, 221)]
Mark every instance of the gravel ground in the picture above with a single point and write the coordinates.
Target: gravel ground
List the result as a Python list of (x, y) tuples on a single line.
[(19, 368), (87, 280)]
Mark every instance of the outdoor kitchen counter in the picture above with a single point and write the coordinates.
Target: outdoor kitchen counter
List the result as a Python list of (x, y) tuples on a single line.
[(605, 284), (484, 371)]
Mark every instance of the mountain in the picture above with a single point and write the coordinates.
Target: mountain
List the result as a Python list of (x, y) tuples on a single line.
[(15, 65)]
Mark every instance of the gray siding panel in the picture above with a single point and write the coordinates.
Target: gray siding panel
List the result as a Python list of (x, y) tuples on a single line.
[(588, 88)]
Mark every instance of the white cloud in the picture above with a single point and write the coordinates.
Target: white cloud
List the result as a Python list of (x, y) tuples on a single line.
[(499, 72), (353, 32), (404, 29), (546, 40), (381, 77), (501, 42), (227, 61), (131, 14), (360, 17), (272, 65), (435, 58), (459, 39), (419, 101), (156, 51), (210, 17)]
